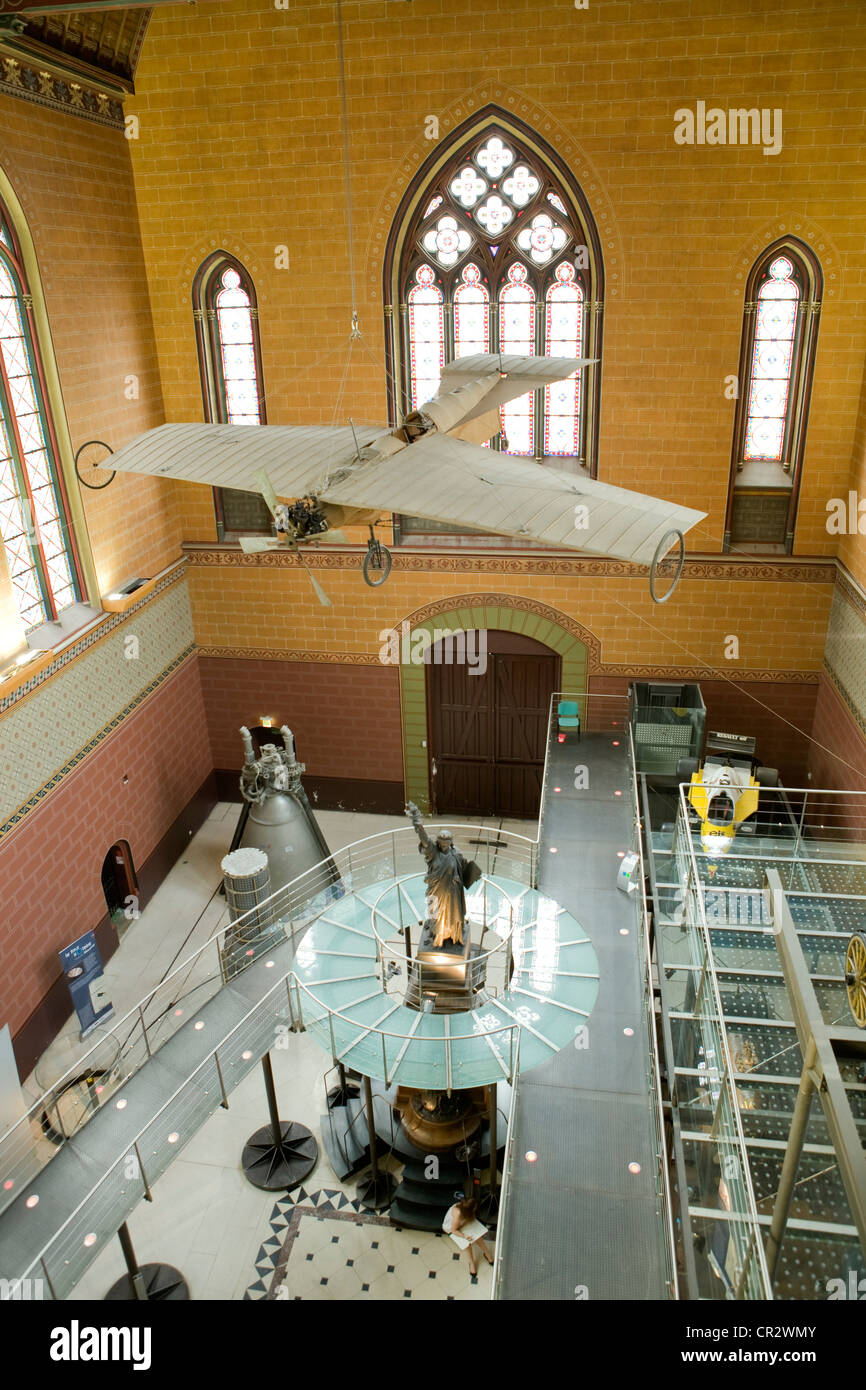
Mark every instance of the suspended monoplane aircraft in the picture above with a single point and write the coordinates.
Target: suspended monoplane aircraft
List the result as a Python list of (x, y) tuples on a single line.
[(318, 479)]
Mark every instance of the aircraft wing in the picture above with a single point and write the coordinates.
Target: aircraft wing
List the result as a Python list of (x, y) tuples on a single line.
[(294, 457), (446, 479), (506, 378)]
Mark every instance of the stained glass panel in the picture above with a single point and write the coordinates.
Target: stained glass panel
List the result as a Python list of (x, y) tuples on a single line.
[(563, 338), (30, 501), (557, 202), (447, 241), (494, 157), (521, 186), (426, 336), (542, 238), (494, 215), (517, 334), (471, 317), (237, 351), (772, 362), (468, 187)]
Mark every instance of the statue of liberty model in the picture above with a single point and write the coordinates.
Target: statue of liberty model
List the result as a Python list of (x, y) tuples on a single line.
[(448, 876)]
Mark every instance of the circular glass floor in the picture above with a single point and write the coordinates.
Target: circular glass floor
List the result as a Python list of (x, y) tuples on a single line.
[(363, 1022)]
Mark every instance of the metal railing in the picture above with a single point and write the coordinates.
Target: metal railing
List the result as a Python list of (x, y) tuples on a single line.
[(745, 1265), (507, 1168), (412, 969), (654, 1075), (130, 1176), (143, 1030)]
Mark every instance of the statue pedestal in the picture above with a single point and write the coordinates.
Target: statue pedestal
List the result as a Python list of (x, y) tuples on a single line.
[(441, 973)]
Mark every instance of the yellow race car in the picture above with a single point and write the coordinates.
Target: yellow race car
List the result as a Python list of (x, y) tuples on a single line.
[(724, 788)]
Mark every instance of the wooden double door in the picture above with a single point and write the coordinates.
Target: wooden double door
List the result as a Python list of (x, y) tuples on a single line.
[(488, 731)]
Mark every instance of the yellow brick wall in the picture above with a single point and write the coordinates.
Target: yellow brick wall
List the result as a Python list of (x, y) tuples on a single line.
[(74, 181), (274, 609), (240, 147)]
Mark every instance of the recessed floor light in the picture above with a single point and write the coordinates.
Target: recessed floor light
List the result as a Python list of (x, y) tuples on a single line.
[(198, 1026), (121, 1105), (245, 1056), (32, 1202), (629, 1032), (623, 931), (634, 1167), (90, 1239), (553, 849), (531, 1156), (173, 1137)]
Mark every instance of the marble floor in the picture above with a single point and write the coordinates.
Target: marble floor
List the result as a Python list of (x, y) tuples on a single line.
[(230, 1240)]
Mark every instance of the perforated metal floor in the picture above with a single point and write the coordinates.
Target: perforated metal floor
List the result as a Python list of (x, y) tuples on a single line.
[(579, 1222)]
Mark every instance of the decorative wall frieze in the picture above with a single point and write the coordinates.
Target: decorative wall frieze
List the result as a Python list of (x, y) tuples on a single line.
[(487, 562), (639, 672), (706, 673), (291, 654), (31, 82)]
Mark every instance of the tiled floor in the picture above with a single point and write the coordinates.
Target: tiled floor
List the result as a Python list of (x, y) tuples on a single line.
[(230, 1240)]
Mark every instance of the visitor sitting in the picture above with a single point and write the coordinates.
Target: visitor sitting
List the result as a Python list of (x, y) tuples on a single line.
[(462, 1225)]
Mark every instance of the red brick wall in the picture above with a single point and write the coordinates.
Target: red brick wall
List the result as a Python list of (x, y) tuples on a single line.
[(50, 867), (345, 718)]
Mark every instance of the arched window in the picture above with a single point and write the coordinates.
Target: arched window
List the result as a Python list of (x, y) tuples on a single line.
[(34, 527), (780, 329), (494, 249), (230, 362)]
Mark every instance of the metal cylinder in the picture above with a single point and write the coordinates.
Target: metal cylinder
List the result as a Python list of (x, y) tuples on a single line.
[(247, 882)]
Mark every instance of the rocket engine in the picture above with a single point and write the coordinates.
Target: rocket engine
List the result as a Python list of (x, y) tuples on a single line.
[(277, 816)]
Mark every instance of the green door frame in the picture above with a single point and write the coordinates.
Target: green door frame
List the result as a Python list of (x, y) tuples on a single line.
[(578, 648)]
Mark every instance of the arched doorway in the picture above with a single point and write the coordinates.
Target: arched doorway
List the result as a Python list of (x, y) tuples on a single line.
[(488, 722), (577, 647), (120, 885)]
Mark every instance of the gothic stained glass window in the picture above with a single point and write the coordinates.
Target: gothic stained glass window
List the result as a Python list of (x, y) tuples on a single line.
[(237, 350), (33, 524), (777, 355), (231, 370), (494, 261), (772, 363)]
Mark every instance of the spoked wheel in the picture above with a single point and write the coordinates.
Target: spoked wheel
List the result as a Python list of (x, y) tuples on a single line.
[(377, 564), (91, 467), (855, 977)]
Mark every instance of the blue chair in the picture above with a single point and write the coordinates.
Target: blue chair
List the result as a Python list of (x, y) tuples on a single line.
[(568, 718)]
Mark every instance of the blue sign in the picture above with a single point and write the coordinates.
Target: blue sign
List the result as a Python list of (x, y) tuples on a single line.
[(82, 966)]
